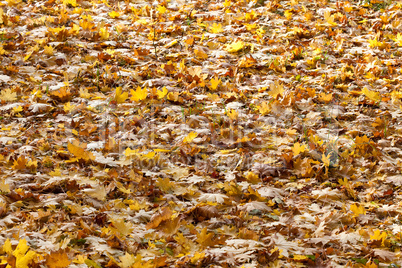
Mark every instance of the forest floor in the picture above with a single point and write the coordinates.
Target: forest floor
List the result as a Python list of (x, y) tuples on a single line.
[(200, 133)]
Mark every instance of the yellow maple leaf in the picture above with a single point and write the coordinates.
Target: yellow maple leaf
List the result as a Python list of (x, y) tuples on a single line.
[(22, 255), (253, 178), (139, 94), (372, 95), (114, 14), (325, 97), (78, 150), (329, 18), (4, 187), (326, 159), (276, 90), (120, 96), (235, 47), (357, 210), (299, 257), (297, 148), (72, 3), (162, 93), (121, 226), (264, 108), (8, 95), (2, 50), (200, 54), (128, 152), (161, 9), (197, 256), (288, 14), (104, 34), (232, 114), (57, 260), (48, 50), (398, 39), (216, 28), (215, 83), (378, 235), (20, 163), (373, 43), (190, 137), (205, 238)]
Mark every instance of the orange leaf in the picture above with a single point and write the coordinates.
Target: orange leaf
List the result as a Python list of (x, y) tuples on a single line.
[(57, 260), (158, 218)]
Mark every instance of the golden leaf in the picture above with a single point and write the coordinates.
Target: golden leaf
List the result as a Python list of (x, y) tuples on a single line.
[(122, 226), (297, 148), (357, 210), (114, 14), (78, 150), (8, 95), (276, 90), (57, 260), (103, 33), (216, 28), (372, 95), (158, 218), (22, 255), (214, 83), (20, 163), (235, 47), (232, 114), (162, 93), (190, 137), (200, 54), (205, 238), (48, 50), (139, 94), (120, 96), (161, 9)]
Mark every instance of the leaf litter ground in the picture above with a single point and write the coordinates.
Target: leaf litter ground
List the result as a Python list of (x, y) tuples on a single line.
[(200, 134)]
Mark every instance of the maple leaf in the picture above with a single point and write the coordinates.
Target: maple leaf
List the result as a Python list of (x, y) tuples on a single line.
[(139, 94), (329, 18), (114, 14), (216, 28), (235, 47), (48, 50), (252, 178), (205, 238), (122, 227), (214, 83), (57, 259), (164, 215), (372, 95), (357, 210), (8, 95), (297, 148), (398, 39), (276, 90), (162, 93), (63, 94), (264, 108), (20, 163), (200, 54), (120, 96), (325, 97), (232, 114), (161, 9), (104, 33), (23, 257), (70, 3), (190, 137), (78, 150), (379, 236)]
